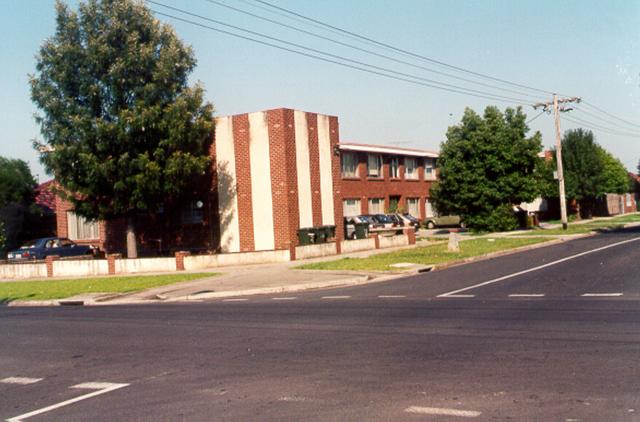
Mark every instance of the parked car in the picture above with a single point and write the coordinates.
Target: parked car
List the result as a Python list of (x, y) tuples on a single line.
[(46, 246), (384, 220), (407, 219), (443, 221)]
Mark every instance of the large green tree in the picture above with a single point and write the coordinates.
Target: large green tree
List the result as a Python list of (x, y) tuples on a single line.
[(126, 134), (18, 213), (487, 165), (615, 175)]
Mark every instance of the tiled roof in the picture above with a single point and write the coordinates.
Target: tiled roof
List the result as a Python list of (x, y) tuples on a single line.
[(45, 197)]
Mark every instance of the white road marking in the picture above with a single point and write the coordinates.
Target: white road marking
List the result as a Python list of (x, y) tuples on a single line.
[(601, 294), (527, 295), (234, 300), (101, 387), (539, 267), (443, 411), (454, 296), (20, 380), (336, 297), (391, 296), (284, 298)]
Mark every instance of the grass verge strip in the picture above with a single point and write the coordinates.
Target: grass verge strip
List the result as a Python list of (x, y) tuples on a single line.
[(425, 255), (58, 289)]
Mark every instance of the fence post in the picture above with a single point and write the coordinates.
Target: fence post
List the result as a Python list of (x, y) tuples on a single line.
[(111, 262), (411, 235), (49, 262), (376, 239), (180, 259)]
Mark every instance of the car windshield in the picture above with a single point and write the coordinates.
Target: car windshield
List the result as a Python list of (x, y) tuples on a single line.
[(383, 218)]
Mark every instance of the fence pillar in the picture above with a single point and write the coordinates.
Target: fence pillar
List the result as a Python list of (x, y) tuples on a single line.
[(376, 239), (111, 262), (411, 235), (292, 252), (180, 259), (338, 246), (49, 262)]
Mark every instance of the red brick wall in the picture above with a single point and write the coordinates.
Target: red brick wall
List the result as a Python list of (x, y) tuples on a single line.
[(243, 181), (334, 136), (364, 187), (316, 200)]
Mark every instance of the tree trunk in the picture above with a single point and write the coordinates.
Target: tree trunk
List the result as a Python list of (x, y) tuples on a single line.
[(132, 246)]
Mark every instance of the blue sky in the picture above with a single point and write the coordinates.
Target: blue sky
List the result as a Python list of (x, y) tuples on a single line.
[(584, 48)]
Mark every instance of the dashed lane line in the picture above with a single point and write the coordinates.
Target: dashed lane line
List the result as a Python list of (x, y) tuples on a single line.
[(441, 411), (601, 294), (391, 296), (20, 380), (284, 298), (235, 300), (454, 293), (336, 297), (527, 295), (100, 387)]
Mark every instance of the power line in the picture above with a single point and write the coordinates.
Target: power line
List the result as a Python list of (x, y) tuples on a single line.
[(534, 118), (313, 34), (602, 119), (609, 114), (390, 73), (596, 127), (379, 43)]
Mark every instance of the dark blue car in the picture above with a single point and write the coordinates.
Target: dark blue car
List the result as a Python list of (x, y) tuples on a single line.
[(41, 248)]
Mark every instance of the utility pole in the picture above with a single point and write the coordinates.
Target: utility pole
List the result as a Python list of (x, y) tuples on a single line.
[(556, 112)]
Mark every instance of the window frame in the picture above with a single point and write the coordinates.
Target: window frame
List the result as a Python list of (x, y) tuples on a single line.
[(414, 174), (356, 205), (355, 165), (380, 205), (80, 228), (430, 164), (394, 168), (378, 159)]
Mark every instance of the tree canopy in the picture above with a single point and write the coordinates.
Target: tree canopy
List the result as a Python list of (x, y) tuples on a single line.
[(126, 133), (487, 165), (16, 182), (590, 171), (18, 214)]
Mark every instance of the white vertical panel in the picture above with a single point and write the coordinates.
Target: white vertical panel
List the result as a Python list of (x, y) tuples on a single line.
[(261, 199), (227, 186), (303, 168), (326, 175)]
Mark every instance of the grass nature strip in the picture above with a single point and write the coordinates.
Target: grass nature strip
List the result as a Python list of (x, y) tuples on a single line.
[(58, 289), (425, 255)]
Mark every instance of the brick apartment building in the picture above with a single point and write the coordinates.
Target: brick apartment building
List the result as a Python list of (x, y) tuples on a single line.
[(274, 172)]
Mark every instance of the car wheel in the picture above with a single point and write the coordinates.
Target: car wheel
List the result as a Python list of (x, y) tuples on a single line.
[(430, 225), (463, 225)]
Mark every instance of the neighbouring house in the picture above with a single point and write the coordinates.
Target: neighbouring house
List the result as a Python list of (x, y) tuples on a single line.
[(46, 201), (274, 172)]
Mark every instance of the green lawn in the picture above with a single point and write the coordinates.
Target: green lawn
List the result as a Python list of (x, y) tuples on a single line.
[(427, 255), (58, 289)]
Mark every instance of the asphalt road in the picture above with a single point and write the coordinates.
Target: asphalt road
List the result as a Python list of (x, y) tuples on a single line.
[(552, 334)]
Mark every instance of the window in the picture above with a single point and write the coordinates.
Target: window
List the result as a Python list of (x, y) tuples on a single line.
[(429, 169), (374, 165), (410, 168), (413, 207), (192, 213), (628, 200), (376, 206), (79, 228), (393, 168), (350, 207), (349, 164)]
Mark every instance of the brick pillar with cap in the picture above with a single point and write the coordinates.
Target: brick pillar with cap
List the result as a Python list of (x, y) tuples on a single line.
[(180, 259), (49, 262)]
